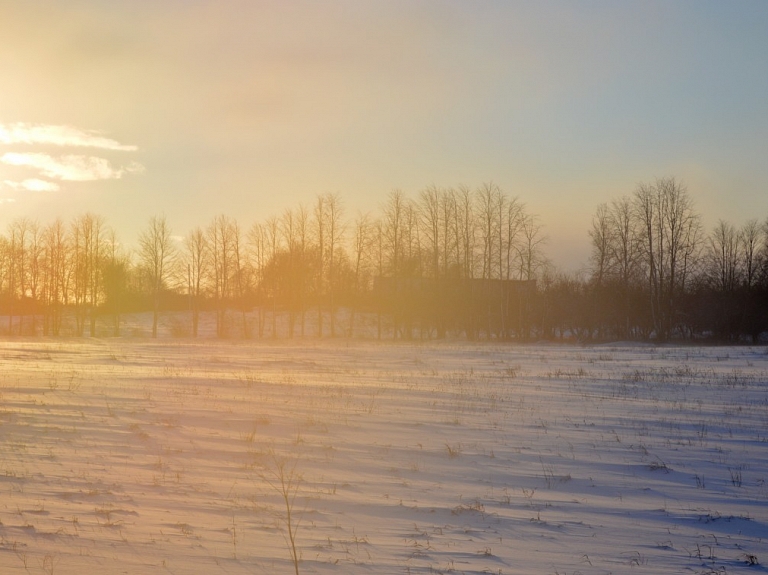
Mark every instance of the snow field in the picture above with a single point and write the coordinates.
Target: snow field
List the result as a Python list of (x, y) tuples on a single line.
[(135, 456)]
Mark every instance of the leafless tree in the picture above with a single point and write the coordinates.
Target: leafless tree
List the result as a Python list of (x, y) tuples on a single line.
[(197, 256), (429, 211), (220, 245), (378, 248), (157, 254), (258, 258), (412, 242), (19, 235), (241, 275), (116, 265), (302, 221), (272, 242), (450, 239), (290, 286), (723, 257), (362, 242), (751, 238), (298, 264), (336, 228), (466, 230), (501, 232), (320, 233), (393, 230), (601, 238), (5, 276), (56, 273), (87, 244), (532, 256), (625, 253), (671, 238), (515, 226), (488, 199), (36, 261)]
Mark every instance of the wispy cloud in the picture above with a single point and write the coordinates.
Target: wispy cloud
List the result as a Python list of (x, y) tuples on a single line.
[(67, 167), (21, 133), (75, 168), (33, 185)]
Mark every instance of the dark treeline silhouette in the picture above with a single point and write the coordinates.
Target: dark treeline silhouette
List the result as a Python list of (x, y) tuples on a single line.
[(655, 273), (458, 262)]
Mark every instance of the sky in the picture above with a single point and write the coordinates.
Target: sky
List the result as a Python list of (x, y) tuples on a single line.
[(196, 108)]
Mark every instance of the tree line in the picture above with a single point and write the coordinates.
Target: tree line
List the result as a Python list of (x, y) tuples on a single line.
[(653, 273)]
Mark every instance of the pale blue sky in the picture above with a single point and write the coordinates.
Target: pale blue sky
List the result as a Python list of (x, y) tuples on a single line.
[(248, 108)]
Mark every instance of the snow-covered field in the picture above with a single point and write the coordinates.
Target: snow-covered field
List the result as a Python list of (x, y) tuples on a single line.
[(135, 456)]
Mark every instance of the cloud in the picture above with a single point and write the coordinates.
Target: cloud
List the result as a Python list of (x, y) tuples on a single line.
[(21, 133), (33, 185), (70, 167)]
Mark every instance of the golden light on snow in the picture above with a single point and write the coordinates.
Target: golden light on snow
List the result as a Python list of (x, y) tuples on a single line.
[(131, 456)]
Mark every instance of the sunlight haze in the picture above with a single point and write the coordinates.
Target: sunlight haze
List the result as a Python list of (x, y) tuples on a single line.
[(132, 109)]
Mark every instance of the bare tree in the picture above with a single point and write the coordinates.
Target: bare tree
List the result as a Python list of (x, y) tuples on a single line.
[(501, 229), (723, 257), (302, 221), (466, 229), (19, 233), (257, 255), (220, 245), (116, 265), (87, 244), (601, 238), (429, 214), (515, 221), (625, 254), (362, 242), (751, 239), (56, 273), (320, 234), (157, 254), (5, 276), (450, 238), (671, 238), (532, 257), (36, 262), (241, 279), (272, 237), (601, 264), (197, 252), (488, 199), (290, 285), (378, 248), (392, 228), (336, 228), (412, 241)]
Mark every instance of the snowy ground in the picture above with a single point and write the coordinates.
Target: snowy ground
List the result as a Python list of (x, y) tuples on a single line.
[(133, 456)]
